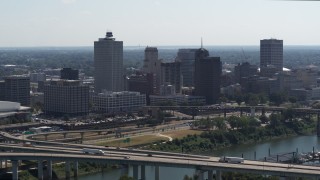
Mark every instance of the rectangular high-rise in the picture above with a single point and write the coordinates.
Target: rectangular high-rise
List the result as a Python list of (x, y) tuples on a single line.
[(17, 89), (108, 64), (66, 97), (187, 58), (171, 74), (271, 56), (207, 78)]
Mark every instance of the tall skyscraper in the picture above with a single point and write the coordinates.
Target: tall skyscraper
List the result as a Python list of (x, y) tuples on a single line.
[(187, 58), (108, 64), (152, 64), (207, 78), (171, 74), (271, 56)]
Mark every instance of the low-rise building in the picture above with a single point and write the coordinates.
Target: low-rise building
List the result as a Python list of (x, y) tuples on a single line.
[(178, 100), (117, 102), (66, 97)]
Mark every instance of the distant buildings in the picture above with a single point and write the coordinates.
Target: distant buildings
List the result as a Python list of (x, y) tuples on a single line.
[(143, 83), (177, 100), (16, 89), (152, 64), (244, 70), (207, 76), (187, 59), (69, 74), (108, 64), (66, 97), (171, 74), (36, 77), (271, 56), (117, 102)]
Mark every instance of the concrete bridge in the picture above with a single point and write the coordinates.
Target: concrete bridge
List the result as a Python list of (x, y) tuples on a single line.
[(72, 154), (209, 165)]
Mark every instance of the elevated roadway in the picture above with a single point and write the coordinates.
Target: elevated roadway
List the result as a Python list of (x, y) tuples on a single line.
[(209, 164)]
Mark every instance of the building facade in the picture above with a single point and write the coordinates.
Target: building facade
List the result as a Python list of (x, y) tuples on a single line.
[(244, 70), (69, 74), (108, 64), (187, 59), (208, 72), (171, 74), (177, 100), (143, 83), (117, 102), (271, 56), (66, 97), (16, 89)]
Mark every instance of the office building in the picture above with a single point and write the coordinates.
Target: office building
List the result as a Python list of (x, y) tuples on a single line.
[(36, 77), (117, 102), (244, 70), (66, 97), (171, 74), (208, 72), (177, 100), (152, 64), (108, 64), (187, 59), (69, 74), (16, 89), (271, 56), (143, 83)]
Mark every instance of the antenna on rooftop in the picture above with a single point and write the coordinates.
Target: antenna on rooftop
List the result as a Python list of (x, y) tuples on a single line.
[(201, 43)]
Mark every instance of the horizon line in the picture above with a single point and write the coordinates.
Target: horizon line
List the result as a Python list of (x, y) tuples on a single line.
[(74, 46)]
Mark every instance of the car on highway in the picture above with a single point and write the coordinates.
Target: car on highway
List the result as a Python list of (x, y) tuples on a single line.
[(127, 157), (229, 159)]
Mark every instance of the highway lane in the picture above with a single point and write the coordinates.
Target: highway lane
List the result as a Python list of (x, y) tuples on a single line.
[(143, 154), (267, 168)]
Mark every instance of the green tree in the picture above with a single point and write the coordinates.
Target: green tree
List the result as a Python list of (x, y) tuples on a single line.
[(126, 177), (220, 123), (233, 121)]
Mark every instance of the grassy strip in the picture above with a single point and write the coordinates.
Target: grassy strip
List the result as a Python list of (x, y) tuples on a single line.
[(134, 141)]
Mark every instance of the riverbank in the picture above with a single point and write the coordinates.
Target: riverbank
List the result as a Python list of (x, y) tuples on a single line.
[(213, 140)]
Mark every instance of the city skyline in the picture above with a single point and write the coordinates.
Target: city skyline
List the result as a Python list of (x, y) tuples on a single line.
[(157, 23)]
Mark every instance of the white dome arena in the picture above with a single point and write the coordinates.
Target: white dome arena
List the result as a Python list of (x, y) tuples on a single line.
[(6, 106)]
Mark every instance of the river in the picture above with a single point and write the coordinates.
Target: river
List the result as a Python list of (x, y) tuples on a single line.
[(290, 144)]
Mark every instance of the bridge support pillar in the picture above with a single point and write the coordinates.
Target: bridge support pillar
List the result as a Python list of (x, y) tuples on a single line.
[(210, 175), (157, 173), (135, 172), (218, 175), (64, 135), (143, 172), (15, 174), (40, 169), (124, 170), (82, 135), (318, 125), (46, 137), (75, 169), (253, 111), (200, 174), (49, 169), (225, 113), (67, 170)]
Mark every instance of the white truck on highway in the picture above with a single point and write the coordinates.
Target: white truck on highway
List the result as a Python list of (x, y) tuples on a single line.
[(229, 159), (92, 151)]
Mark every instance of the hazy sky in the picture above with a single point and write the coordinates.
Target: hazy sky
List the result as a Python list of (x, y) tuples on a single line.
[(158, 22)]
